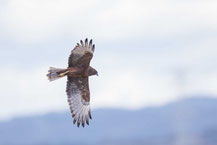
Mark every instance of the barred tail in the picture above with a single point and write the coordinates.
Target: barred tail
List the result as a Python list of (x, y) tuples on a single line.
[(56, 73)]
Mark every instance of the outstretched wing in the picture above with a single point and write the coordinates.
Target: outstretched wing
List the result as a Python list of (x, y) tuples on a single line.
[(81, 54), (79, 99)]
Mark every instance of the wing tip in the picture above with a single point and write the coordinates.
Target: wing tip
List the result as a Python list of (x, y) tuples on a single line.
[(74, 121), (93, 47), (82, 121), (91, 41), (82, 43), (87, 121), (78, 124), (87, 45), (90, 116), (83, 124)]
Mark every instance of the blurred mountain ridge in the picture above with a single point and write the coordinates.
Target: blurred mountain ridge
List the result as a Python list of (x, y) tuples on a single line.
[(190, 121)]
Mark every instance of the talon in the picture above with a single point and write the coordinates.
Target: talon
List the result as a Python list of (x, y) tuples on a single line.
[(63, 74)]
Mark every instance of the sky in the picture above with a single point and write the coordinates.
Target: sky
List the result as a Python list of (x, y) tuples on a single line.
[(147, 52)]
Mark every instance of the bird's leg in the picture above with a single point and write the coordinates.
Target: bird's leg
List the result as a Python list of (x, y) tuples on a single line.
[(63, 74)]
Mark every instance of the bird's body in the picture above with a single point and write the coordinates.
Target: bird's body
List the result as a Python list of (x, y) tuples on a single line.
[(77, 87)]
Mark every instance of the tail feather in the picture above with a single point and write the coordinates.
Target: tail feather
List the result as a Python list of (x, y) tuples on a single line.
[(55, 73)]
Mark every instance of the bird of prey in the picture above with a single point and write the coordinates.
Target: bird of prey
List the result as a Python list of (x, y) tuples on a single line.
[(77, 87)]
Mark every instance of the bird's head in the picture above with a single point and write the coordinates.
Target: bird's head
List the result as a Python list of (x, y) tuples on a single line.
[(92, 72)]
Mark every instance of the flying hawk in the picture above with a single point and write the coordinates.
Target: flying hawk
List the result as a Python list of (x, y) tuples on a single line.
[(77, 87)]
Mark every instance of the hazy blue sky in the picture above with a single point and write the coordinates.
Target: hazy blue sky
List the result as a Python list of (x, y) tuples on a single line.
[(147, 52)]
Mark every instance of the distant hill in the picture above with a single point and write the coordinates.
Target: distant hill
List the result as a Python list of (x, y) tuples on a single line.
[(186, 122)]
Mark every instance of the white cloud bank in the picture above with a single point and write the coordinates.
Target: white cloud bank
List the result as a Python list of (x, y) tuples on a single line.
[(28, 91), (30, 21), (24, 92), (143, 80)]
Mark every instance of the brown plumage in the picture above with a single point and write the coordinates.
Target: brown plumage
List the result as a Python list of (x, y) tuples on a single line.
[(77, 88)]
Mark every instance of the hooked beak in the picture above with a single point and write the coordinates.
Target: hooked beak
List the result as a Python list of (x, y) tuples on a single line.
[(97, 74)]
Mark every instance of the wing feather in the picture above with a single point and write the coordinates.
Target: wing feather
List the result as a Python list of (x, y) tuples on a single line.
[(82, 54), (79, 100)]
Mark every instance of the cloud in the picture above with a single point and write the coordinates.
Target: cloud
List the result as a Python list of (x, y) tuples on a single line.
[(38, 21), (27, 91), (140, 46)]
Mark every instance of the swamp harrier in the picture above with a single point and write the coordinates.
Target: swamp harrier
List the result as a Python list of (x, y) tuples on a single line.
[(77, 88)]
